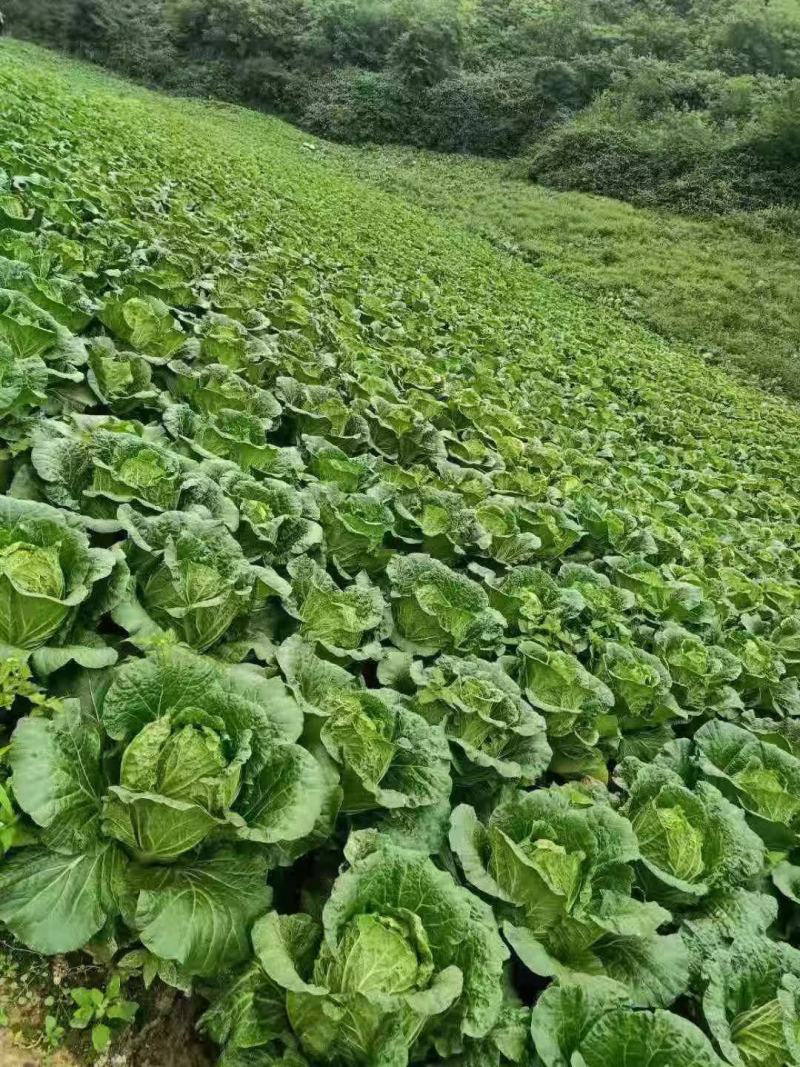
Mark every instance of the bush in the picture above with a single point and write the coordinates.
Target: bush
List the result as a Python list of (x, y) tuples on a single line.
[(358, 106), (487, 113), (204, 78), (776, 137), (237, 29), (757, 38), (134, 39), (499, 111), (666, 160), (272, 85), (696, 141), (430, 45), (353, 33)]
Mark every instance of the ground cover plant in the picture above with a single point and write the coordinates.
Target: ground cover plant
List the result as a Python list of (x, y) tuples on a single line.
[(400, 657)]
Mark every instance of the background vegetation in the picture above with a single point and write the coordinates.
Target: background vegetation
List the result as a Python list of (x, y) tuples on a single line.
[(693, 104)]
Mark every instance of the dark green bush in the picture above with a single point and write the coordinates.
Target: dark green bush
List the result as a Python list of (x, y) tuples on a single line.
[(665, 160), (358, 106), (761, 38), (695, 141), (488, 112)]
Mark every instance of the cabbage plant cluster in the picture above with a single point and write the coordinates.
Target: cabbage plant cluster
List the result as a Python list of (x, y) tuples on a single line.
[(406, 663)]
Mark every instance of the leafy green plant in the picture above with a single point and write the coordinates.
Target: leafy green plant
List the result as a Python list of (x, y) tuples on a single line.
[(53, 584), (751, 1003), (210, 769), (576, 706), (588, 1021), (436, 609), (191, 577), (758, 776), (561, 870), (692, 841), (53, 1032), (400, 947), (495, 736), (103, 1010), (343, 621)]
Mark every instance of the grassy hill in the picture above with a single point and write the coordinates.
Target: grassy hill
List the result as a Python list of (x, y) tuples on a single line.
[(360, 590), (729, 286)]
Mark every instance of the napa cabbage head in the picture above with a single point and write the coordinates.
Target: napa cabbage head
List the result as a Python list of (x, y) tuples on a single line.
[(276, 520), (592, 1022), (388, 755), (495, 735), (121, 380), (202, 751), (559, 865), (98, 464), (48, 571), (701, 672), (35, 569), (179, 776), (576, 705), (760, 777), (436, 609), (355, 525), (401, 947), (23, 384), (191, 577), (692, 840), (158, 811), (751, 1003), (345, 621), (385, 754)]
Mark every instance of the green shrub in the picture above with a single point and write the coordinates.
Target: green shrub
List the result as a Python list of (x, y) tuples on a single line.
[(694, 141), (358, 106)]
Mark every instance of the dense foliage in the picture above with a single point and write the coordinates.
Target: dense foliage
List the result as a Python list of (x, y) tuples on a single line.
[(692, 103), (400, 659)]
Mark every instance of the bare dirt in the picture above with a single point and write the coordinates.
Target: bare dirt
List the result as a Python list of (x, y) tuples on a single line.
[(12, 1055), (166, 1040)]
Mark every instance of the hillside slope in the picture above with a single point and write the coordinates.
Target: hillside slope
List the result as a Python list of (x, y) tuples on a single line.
[(255, 183), (690, 104), (730, 286), (396, 649)]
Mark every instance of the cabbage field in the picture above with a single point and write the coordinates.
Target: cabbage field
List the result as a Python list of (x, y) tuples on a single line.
[(400, 657)]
